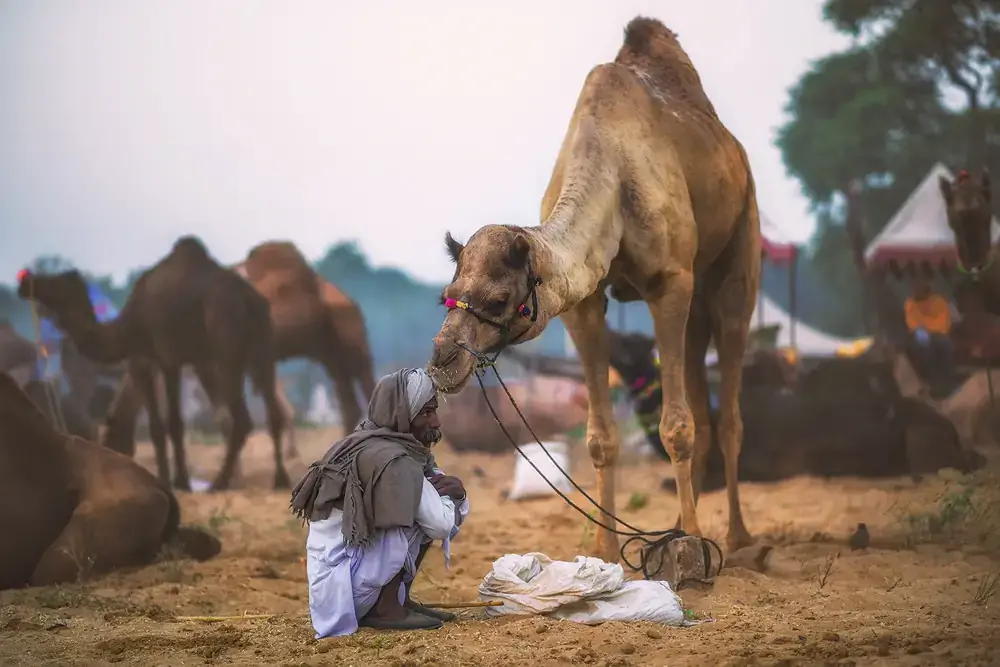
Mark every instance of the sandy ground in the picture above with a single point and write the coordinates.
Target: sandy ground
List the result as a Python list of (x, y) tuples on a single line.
[(920, 595)]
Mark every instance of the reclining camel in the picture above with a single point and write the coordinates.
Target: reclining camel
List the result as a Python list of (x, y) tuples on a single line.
[(844, 418), (70, 507)]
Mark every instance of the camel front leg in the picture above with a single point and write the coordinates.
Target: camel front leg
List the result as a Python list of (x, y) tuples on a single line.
[(145, 383), (175, 425), (100, 536), (586, 326), (670, 306)]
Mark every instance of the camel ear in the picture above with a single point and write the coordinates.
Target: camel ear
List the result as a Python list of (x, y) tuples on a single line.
[(945, 186), (985, 186), (519, 252), (453, 247)]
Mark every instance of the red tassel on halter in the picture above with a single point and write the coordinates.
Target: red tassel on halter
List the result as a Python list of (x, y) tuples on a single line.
[(963, 176)]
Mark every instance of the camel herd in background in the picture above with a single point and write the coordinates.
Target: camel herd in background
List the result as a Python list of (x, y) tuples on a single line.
[(71, 496)]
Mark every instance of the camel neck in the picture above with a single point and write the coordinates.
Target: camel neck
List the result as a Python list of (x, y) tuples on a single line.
[(573, 251), (103, 342)]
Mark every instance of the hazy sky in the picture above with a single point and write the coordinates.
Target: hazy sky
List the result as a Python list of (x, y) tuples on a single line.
[(124, 124)]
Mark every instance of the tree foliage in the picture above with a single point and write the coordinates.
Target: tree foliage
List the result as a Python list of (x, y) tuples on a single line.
[(920, 84)]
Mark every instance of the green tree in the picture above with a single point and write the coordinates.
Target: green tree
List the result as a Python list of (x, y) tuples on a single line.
[(918, 86)]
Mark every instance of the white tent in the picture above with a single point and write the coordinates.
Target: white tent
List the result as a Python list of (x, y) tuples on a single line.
[(919, 230), (808, 341)]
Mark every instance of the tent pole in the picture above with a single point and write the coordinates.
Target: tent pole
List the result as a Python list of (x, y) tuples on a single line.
[(792, 295)]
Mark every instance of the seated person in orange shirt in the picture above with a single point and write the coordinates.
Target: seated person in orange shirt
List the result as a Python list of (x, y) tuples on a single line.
[(928, 317), (977, 333)]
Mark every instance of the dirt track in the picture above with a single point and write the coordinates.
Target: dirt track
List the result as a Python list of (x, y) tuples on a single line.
[(907, 600)]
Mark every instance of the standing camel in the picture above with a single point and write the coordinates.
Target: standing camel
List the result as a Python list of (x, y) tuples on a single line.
[(185, 310), (313, 319), (969, 204), (652, 196)]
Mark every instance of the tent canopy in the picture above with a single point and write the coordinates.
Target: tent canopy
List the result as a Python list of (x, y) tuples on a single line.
[(919, 230), (777, 246)]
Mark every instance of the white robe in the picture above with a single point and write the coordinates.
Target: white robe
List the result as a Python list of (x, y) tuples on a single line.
[(345, 582)]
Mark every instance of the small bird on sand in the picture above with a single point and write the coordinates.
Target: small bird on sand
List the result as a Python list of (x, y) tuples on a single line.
[(860, 538)]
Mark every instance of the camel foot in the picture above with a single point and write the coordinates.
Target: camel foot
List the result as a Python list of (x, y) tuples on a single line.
[(753, 557), (691, 529), (738, 539), (196, 543), (281, 481), (182, 483)]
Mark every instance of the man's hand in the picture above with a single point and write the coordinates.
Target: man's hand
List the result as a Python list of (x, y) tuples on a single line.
[(447, 485)]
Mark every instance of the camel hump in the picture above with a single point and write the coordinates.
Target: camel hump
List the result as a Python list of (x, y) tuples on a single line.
[(284, 262), (651, 49), (190, 247)]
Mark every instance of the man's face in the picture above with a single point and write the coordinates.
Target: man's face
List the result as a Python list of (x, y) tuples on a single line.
[(426, 426), (921, 289)]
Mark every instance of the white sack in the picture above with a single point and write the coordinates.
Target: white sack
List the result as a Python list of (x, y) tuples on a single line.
[(588, 591), (528, 483)]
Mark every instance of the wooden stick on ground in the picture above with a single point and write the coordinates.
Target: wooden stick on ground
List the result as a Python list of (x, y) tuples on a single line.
[(219, 619), (462, 605)]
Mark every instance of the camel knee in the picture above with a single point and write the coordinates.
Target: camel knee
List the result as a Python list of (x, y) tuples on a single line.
[(677, 433), (603, 450), (731, 433)]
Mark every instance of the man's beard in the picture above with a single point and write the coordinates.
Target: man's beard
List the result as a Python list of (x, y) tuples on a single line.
[(431, 437)]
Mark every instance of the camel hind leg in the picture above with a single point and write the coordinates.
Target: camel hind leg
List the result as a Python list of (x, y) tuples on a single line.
[(230, 383), (731, 308), (145, 384), (587, 327), (347, 398)]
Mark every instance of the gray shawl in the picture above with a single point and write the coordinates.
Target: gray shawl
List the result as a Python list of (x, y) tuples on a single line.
[(375, 474)]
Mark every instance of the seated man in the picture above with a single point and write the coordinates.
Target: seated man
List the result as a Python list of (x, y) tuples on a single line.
[(928, 318), (375, 502)]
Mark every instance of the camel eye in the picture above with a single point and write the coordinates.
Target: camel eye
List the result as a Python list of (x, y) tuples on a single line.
[(496, 306)]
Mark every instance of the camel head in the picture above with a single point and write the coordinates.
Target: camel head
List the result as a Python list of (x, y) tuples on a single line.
[(970, 216), (492, 302), (64, 294)]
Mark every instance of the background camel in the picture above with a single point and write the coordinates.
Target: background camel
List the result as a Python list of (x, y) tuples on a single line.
[(313, 319), (843, 417), (185, 310), (969, 205), (652, 196), (74, 507)]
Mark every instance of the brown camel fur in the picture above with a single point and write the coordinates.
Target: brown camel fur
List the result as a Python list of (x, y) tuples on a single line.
[(652, 196), (313, 319), (969, 204), (77, 508), (185, 310)]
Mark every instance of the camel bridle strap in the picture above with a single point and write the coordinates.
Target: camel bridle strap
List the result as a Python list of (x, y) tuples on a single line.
[(651, 540), (526, 312)]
